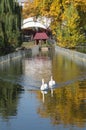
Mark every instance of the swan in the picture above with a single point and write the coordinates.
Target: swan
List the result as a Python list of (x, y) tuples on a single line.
[(51, 82), (44, 86)]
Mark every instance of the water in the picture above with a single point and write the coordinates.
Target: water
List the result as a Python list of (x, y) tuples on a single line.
[(24, 107)]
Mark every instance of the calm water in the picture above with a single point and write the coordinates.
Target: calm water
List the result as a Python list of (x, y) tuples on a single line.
[(24, 107)]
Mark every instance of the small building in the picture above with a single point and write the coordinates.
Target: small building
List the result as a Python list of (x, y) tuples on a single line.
[(40, 36), (32, 25)]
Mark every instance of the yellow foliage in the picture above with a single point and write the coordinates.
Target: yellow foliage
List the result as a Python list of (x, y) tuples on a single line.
[(63, 15)]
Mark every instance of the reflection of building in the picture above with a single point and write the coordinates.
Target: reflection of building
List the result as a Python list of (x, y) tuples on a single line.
[(34, 70), (38, 68)]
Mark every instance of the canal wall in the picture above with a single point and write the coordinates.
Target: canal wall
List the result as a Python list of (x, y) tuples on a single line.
[(14, 55), (19, 54), (78, 57), (35, 50)]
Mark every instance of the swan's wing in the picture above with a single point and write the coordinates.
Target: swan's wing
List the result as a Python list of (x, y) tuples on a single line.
[(50, 83), (45, 86), (42, 87), (54, 82)]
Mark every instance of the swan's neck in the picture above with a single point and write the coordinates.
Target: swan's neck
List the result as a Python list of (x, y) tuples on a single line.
[(51, 78), (42, 81)]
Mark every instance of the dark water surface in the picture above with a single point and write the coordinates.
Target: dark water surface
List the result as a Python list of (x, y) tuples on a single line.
[(24, 107)]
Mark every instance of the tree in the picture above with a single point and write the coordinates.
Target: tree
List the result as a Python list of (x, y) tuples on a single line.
[(32, 8), (10, 23), (69, 34), (67, 22)]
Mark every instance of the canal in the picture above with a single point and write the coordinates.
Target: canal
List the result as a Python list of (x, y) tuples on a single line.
[(24, 107)]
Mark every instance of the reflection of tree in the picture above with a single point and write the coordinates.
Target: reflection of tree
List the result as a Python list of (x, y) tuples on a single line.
[(13, 68), (8, 99), (67, 106), (65, 69)]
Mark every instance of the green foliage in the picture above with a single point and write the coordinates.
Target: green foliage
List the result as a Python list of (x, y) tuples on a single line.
[(10, 23)]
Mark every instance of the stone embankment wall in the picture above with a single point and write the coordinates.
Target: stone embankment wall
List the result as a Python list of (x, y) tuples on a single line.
[(14, 55), (78, 57), (19, 54), (35, 50)]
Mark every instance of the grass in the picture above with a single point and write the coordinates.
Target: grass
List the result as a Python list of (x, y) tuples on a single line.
[(32, 44), (28, 44)]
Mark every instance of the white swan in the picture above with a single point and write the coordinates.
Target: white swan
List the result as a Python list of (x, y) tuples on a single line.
[(44, 86), (51, 82)]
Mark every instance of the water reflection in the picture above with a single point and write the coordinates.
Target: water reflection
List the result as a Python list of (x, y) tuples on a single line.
[(36, 68), (65, 69), (67, 105), (43, 95), (52, 92), (11, 71), (64, 105), (9, 96)]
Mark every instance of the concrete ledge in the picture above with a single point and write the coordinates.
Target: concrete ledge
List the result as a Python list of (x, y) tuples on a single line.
[(14, 55), (78, 57)]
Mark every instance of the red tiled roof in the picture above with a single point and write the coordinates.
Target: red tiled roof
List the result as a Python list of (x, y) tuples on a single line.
[(41, 36)]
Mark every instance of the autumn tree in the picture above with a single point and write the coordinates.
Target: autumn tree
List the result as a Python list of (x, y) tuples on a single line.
[(69, 33), (67, 22), (32, 8)]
